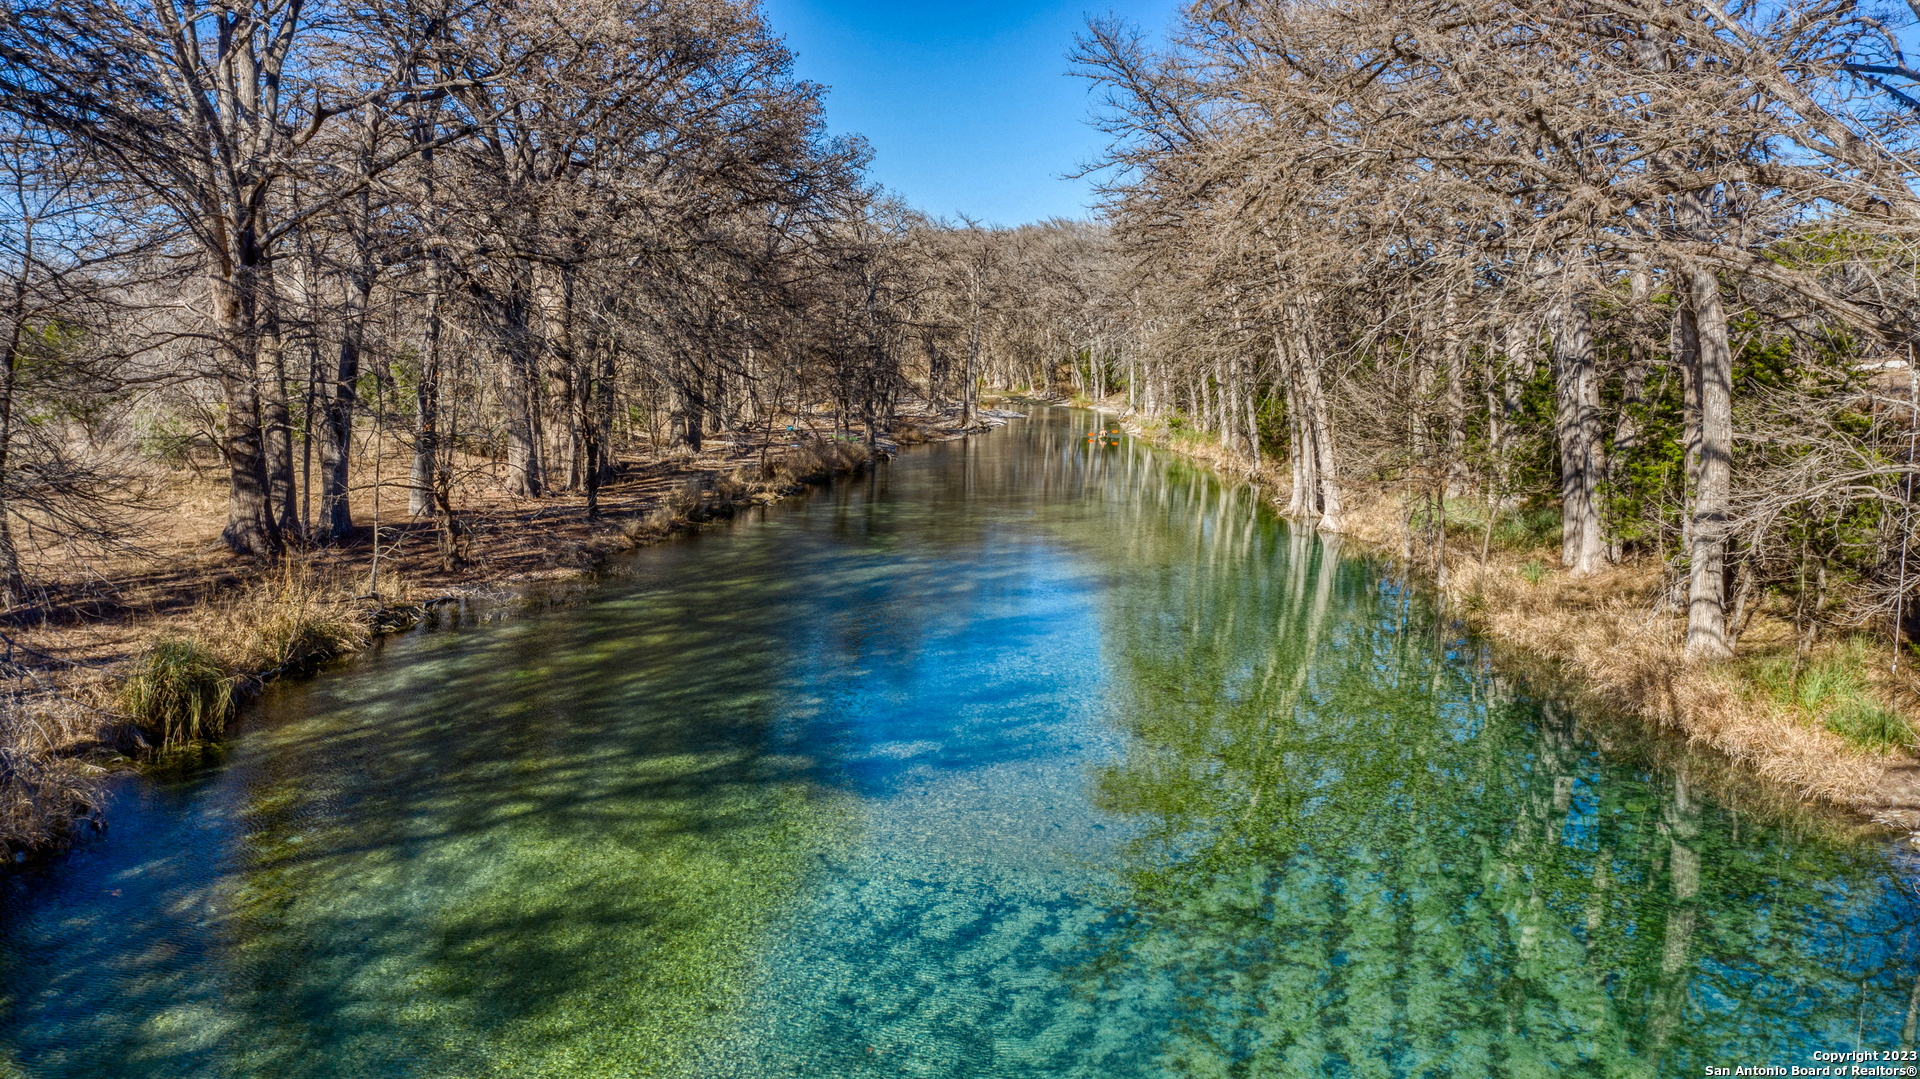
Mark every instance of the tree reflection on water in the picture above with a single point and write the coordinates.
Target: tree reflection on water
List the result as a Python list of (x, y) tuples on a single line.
[(1363, 852)]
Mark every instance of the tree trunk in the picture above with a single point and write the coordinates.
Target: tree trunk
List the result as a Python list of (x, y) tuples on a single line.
[(1299, 454), (566, 452), (251, 528), (561, 426), (12, 582), (968, 405), (718, 418), (1303, 499), (1422, 397), (1707, 546), (592, 448), (277, 417), (1633, 385), (1331, 516), (1517, 372), (1249, 409), (603, 408), (1686, 352), (1577, 425), (1456, 396), (687, 409), (339, 401), (423, 475), (526, 472), (970, 399), (1222, 377)]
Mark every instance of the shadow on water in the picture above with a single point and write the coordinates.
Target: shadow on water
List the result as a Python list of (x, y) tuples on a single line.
[(544, 846), (486, 834), (1020, 756)]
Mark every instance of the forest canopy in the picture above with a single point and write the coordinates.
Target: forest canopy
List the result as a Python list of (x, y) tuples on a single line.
[(1651, 264), (1647, 265)]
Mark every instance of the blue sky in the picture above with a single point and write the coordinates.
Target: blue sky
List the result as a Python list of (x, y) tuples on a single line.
[(966, 104)]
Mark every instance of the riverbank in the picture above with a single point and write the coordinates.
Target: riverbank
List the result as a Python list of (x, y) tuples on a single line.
[(856, 786), (130, 655), (1831, 723)]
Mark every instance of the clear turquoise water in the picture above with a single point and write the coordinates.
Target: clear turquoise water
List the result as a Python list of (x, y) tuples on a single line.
[(1022, 757)]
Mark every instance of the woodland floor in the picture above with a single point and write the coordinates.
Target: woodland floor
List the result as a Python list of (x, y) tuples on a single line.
[(99, 610)]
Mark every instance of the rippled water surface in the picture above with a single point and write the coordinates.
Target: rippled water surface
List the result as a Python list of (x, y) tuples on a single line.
[(1023, 757)]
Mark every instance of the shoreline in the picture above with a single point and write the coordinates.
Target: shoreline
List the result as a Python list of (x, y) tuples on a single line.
[(265, 622), (1603, 643), (1584, 640)]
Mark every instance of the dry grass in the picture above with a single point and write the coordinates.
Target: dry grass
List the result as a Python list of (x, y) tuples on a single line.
[(185, 684), (186, 673), (684, 500), (183, 688), (300, 618), (1609, 633), (722, 492), (816, 460), (47, 794), (644, 528), (1616, 641), (907, 433)]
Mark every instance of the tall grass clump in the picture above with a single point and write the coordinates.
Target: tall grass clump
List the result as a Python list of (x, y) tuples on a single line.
[(682, 503), (1833, 689), (647, 527), (46, 794), (1871, 724), (178, 692), (293, 623)]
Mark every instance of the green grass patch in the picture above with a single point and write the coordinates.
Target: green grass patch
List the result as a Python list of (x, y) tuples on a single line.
[(1870, 724), (1832, 688), (1528, 528), (1521, 529)]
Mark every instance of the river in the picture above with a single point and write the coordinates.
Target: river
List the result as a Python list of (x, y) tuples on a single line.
[(1023, 756)]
